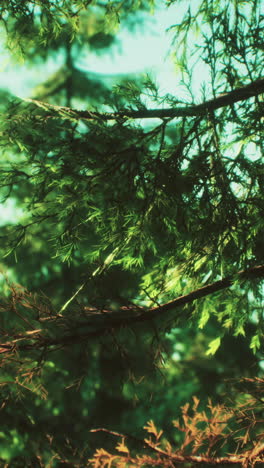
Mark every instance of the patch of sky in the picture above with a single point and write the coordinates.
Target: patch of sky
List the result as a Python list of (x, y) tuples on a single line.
[(10, 212), (141, 50)]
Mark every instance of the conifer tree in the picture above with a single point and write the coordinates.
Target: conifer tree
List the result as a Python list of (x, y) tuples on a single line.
[(141, 229)]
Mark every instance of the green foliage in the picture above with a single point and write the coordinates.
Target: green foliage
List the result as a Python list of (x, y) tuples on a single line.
[(35, 28), (123, 224)]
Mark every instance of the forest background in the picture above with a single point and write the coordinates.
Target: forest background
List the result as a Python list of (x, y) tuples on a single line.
[(132, 249)]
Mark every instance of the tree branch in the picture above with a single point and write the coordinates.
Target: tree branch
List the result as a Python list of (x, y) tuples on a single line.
[(241, 459), (254, 272), (97, 322), (227, 99), (128, 315)]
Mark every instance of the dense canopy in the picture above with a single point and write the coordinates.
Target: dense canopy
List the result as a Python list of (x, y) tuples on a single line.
[(133, 258)]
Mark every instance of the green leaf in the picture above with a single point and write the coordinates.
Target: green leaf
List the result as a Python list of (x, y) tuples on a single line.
[(213, 346), (255, 343), (204, 318)]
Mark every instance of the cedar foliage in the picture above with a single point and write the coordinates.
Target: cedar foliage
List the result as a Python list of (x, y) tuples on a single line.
[(140, 228)]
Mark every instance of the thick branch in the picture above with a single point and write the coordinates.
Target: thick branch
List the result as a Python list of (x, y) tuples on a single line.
[(240, 94), (254, 272), (127, 316), (99, 322)]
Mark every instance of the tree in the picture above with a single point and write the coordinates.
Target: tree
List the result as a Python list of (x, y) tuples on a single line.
[(142, 229)]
